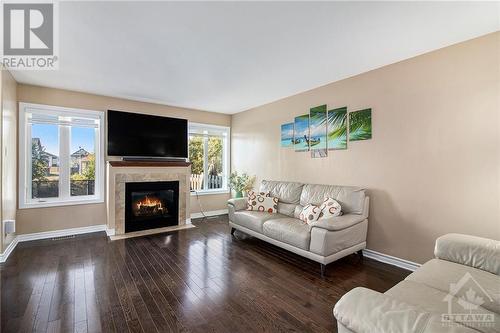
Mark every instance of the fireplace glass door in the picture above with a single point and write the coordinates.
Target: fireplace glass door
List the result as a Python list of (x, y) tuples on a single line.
[(151, 205)]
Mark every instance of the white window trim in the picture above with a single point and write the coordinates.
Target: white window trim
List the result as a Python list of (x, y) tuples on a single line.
[(226, 149), (65, 199)]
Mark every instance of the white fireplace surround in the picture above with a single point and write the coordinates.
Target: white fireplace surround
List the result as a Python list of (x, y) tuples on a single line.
[(120, 173)]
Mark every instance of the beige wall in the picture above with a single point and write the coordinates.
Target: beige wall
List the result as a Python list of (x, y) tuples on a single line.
[(55, 218), (9, 152), (433, 165)]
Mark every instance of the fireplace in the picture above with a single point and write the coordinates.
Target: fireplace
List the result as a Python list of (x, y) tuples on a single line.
[(150, 205)]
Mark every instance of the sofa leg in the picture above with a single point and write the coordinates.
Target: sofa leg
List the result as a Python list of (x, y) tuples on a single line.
[(232, 231), (360, 254), (323, 270)]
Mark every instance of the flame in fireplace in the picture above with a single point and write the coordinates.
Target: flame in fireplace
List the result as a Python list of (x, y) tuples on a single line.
[(149, 206)]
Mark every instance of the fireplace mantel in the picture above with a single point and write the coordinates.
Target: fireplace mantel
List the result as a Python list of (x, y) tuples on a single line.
[(121, 172), (160, 164)]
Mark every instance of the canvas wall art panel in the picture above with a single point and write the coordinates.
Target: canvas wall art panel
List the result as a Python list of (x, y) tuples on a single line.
[(360, 125), (337, 129), (287, 135), (301, 133), (317, 131)]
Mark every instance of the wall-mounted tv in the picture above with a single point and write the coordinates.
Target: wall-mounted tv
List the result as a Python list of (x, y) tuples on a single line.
[(145, 136)]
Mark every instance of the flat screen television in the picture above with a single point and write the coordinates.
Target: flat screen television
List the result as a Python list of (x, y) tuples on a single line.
[(137, 135)]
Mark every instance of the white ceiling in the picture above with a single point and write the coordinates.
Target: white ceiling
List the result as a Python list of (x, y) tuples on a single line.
[(231, 56)]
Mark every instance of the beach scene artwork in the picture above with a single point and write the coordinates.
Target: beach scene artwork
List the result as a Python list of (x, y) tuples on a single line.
[(337, 129), (322, 130), (360, 125), (301, 133), (287, 135), (317, 131)]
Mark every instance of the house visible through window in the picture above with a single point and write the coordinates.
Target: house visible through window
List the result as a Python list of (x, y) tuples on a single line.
[(61, 156), (82, 178), (209, 156)]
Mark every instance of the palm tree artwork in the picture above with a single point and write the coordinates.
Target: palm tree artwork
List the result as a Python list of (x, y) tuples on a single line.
[(317, 131), (337, 128), (322, 130), (360, 125)]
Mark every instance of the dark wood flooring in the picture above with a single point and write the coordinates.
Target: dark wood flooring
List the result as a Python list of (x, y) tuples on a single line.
[(196, 280)]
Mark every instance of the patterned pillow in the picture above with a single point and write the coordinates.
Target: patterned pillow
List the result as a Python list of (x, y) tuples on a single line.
[(310, 213), (252, 196), (262, 203), (330, 208)]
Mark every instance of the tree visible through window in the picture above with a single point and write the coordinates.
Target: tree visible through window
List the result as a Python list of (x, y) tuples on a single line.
[(82, 161), (207, 152), (44, 161), (214, 156), (196, 154), (61, 155)]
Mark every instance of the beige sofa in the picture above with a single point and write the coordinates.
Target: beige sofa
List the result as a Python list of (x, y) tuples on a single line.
[(324, 241), (458, 291)]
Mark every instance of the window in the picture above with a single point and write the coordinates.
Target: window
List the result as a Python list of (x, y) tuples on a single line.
[(209, 156), (61, 156)]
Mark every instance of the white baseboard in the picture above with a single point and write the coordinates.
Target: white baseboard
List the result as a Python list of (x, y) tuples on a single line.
[(8, 250), (209, 213), (395, 261), (60, 233), (49, 234), (385, 258)]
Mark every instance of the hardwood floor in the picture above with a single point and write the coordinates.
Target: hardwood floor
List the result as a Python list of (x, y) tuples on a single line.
[(196, 280)]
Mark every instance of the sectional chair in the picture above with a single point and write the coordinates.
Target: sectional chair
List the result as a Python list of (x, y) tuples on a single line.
[(458, 291), (323, 241)]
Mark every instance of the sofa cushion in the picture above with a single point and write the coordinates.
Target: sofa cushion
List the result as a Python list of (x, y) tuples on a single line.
[(351, 198), (253, 220), (286, 209), (440, 274), (435, 301), (286, 192), (288, 230), (297, 211)]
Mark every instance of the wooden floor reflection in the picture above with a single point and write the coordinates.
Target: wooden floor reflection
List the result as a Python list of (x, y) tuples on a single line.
[(196, 280)]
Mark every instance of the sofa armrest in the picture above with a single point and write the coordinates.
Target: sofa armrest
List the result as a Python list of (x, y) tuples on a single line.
[(238, 203), (477, 252), (234, 205), (362, 310), (339, 222)]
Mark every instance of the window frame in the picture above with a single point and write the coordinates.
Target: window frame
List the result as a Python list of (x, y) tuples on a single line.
[(64, 198), (226, 141)]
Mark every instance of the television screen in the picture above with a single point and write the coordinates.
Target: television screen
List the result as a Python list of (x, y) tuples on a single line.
[(140, 135)]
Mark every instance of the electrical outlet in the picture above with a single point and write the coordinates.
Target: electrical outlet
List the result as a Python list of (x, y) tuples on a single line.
[(9, 226)]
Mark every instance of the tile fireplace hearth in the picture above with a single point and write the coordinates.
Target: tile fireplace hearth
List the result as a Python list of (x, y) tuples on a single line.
[(146, 196)]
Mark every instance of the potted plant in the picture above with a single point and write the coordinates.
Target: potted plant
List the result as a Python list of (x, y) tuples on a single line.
[(240, 183)]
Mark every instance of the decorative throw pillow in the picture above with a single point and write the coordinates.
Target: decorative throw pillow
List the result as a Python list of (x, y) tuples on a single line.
[(310, 213), (252, 196), (330, 208), (262, 203)]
